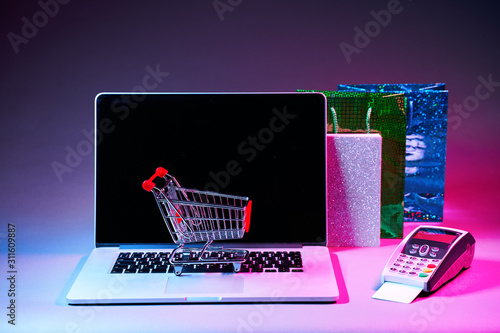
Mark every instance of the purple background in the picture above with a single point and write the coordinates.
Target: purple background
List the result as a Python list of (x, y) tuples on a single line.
[(48, 87)]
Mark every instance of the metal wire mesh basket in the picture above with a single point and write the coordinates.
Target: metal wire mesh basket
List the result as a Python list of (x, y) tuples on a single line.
[(200, 216)]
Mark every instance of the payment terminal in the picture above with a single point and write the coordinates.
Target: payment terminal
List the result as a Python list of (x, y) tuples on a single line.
[(429, 257)]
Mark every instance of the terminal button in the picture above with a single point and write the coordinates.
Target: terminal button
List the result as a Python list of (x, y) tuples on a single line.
[(424, 249)]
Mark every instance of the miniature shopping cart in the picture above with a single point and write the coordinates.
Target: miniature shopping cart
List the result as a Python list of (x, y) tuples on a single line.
[(200, 216)]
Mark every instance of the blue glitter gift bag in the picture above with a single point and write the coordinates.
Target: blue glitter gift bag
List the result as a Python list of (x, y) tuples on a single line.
[(427, 114)]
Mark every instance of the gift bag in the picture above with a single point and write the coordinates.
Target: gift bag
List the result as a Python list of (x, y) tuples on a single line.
[(427, 106), (360, 112), (353, 189)]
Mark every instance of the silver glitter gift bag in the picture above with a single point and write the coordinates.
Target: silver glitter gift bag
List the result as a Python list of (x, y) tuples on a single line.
[(354, 186)]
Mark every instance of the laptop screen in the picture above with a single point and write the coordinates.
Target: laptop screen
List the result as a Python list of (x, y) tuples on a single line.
[(268, 147)]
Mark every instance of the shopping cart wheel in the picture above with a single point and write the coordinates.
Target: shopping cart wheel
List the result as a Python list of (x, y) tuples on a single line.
[(178, 270), (236, 267)]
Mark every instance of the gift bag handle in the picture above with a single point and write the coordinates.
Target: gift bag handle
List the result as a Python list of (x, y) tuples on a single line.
[(336, 124)]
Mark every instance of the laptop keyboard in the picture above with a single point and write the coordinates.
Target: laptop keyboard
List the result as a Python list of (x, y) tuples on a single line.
[(257, 262)]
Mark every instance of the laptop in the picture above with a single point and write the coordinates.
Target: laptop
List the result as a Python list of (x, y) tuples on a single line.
[(269, 147)]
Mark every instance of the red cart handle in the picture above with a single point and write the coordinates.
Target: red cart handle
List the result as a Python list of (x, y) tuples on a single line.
[(148, 185), (248, 213)]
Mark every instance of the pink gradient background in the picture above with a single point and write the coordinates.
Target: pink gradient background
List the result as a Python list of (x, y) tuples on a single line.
[(47, 94)]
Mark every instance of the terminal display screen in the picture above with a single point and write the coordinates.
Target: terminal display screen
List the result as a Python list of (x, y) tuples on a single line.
[(442, 236)]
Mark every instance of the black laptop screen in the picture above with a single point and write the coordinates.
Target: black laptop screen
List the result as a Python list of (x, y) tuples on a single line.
[(269, 147)]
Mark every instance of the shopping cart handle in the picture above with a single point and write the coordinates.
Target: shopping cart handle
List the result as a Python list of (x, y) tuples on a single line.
[(148, 185), (248, 213)]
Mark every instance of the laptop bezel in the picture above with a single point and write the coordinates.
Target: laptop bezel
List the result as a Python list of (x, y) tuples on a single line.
[(239, 244)]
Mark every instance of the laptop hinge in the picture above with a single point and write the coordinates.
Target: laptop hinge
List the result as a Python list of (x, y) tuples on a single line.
[(215, 244), (147, 246), (258, 245)]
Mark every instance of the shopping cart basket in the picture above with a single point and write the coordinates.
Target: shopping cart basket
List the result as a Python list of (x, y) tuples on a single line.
[(200, 216)]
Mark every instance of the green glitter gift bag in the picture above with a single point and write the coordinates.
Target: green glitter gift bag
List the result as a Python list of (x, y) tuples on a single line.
[(384, 113)]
